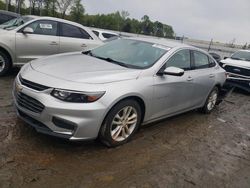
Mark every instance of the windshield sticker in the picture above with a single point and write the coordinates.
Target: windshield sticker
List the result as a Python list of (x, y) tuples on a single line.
[(46, 26), (162, 47)]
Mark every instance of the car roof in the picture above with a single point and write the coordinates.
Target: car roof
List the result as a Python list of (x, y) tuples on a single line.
[(9, 13), (161, 41)]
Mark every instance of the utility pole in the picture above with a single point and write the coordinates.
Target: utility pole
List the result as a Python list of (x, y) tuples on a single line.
[(209, 47)]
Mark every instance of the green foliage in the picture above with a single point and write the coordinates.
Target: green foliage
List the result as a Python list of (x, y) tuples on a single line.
[(77, 11), (118, 21)]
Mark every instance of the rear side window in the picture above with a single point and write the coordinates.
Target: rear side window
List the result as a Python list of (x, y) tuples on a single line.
[(44, 27), (68, 30), (180, 59), (201, 60)]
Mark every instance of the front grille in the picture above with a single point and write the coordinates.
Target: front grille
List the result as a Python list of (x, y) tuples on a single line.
[(33, 121), (29, 103), (237, 70), (32, 85)]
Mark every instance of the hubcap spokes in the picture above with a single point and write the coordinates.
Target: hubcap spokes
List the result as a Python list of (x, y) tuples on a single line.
[(124, 123), (2, 63), (212, 100)]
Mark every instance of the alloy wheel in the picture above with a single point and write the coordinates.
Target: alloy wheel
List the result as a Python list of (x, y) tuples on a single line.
[(2, 63), (212, 100), (124, 123)]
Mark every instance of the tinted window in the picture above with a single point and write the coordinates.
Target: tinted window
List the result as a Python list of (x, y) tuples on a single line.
[(5, 18), (201, 60), (181, 60), (108, 35), (212, 63), (44, 27), (68, 30), (96, 32)]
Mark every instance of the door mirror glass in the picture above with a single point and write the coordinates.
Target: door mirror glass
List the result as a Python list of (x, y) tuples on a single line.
[(174, 71), (28, 30)]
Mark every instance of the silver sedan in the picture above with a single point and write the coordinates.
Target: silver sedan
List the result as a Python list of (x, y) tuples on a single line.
[(109, 92), (41, 37)]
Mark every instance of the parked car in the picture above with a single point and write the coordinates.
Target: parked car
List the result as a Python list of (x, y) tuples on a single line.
[(6, 16), (104, 35), (238, 68), (108, 92), (41, 37), (216, 56), (17, 22)]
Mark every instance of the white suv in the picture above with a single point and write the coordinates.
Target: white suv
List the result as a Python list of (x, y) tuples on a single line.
[(42, 37)]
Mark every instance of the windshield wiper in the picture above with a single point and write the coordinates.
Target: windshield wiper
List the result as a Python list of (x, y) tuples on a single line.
[(105, 58), (236, 58)]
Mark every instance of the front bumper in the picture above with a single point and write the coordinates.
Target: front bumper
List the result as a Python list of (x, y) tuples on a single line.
[(238, 82), (61, 119)]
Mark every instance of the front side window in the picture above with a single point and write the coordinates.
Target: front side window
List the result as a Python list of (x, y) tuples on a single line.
[(201, 60), (181, 60), (44, 27), (68, 30), (131, 53)]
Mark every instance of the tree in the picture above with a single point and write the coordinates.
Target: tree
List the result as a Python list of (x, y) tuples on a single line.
[(63, 6), (77, 11)]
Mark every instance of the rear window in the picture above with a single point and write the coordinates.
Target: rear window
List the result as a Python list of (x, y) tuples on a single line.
[(108, 35)]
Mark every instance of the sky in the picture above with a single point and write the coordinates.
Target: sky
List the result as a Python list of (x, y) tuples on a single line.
[(220, 20)]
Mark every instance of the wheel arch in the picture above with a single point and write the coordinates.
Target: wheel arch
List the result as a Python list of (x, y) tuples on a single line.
[(7, 52), (137, 98)]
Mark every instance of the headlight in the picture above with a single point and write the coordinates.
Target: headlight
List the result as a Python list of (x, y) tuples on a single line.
[(76, 97)]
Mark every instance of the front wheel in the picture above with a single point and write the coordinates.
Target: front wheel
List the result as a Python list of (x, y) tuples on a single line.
[(121, 123), (211, 101), (5, 64)]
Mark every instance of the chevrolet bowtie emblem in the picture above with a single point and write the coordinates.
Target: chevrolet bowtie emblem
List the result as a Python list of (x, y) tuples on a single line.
[(19, 88)]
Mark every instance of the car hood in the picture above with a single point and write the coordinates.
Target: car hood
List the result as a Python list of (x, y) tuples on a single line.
[(234, 62), (77, 67)]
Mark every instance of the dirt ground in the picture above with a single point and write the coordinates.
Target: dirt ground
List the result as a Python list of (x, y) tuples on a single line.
[(189, 150)]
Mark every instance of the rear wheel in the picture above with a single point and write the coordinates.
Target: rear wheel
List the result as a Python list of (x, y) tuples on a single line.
[(5, 64), (211, 101), (121, 123)]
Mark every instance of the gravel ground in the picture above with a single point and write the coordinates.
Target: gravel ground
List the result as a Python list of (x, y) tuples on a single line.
[(189, 150)]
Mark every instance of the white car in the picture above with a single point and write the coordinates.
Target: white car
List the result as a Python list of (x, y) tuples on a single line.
[(238, 69), (42, 37), (104, 35)]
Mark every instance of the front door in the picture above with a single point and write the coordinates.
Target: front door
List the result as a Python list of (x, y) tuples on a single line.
[(173, 94), (42, 42)]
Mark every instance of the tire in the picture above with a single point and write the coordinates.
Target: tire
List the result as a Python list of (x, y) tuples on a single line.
[(211, 101), (121, 123), (5, 64)]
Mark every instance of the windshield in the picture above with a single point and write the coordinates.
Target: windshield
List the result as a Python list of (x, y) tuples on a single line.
[(13, 23), (130, 53), (241, 55)]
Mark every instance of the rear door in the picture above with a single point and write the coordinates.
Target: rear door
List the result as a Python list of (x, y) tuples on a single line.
[(73, 38), (43, 42), (203, 74)]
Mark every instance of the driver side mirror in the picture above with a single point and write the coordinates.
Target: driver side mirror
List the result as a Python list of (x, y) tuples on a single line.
[(28, 30), (174, 71)]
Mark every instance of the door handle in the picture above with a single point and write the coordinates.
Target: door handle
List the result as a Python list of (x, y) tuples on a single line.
[(53, 43), (190, 78), (83, 45), (211, 75)]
